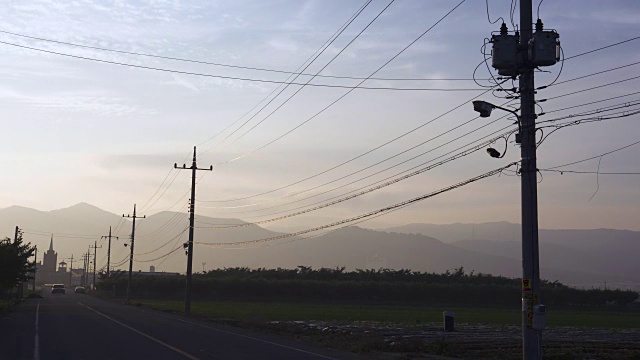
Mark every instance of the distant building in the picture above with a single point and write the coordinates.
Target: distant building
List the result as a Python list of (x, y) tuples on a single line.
[(50, 259), (51, 272)]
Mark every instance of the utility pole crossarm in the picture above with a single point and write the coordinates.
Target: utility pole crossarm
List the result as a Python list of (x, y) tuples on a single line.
[(192, 204)]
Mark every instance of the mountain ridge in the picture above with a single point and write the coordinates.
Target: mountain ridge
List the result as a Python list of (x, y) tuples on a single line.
[(580, 257)]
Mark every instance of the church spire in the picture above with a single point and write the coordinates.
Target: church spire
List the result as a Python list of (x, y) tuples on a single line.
[(51, 243)]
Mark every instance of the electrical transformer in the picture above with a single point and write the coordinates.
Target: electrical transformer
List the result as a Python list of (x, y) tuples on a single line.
[(544, 48), (503, 53)]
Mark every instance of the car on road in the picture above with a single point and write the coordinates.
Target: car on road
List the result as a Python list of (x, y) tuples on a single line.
[(80, 290), (58, 289)]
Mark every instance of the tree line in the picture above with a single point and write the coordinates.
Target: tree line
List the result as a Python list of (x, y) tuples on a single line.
[(383, 285), (15, 266)]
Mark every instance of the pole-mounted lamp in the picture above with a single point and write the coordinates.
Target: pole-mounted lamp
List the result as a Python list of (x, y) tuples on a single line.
[(485, 108)]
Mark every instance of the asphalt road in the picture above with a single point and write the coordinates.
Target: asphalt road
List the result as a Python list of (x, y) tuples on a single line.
[(75, 326)]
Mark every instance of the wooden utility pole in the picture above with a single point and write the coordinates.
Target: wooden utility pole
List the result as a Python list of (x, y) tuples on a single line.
[(109, 250), (133, 237), (192, 206), (35, 269), (95, 247), (85, 268), (71, 272), (15, 242)]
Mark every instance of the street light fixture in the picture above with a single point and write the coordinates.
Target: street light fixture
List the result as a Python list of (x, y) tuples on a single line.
[(485, 108)]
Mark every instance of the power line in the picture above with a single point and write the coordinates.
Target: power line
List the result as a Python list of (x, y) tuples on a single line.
[(418, 168), (307, 82), (122, 262), (453, 154), (282, 87), (593, 88), (594, 157), (589, 172), (628, 105), (162, 226), (174, 245), (348, 161), (160, 257), (601, 48), (60, 235), (345, 94), (182, 72), (556, 127), (589, 75), (465, 103), (158, 189), (504, 135), (592, 102), (308, 63), (164, 192), (372, 213), (167, 225), (165, 244), (610, 108), (202, 62), (371, 189)]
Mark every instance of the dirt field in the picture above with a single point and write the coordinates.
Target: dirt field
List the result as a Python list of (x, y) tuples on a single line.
[(469, 341)]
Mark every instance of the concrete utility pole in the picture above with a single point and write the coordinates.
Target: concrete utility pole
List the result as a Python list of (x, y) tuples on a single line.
[(85, 270), (108, 250), (35, 269), (87, 258), (84, 267), (192, 206), (71, 272), (512, 57), (531, 338), (133, 237), (95, 247), (15, 242)]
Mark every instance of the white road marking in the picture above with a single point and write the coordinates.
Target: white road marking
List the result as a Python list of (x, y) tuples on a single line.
[(250, 337), (36, 342), (189, 356)]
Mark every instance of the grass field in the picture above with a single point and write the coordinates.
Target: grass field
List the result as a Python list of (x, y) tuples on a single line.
[(281, 311)]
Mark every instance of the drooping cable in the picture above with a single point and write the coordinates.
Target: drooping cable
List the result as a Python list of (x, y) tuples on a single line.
[(372, 213), (345, 94)]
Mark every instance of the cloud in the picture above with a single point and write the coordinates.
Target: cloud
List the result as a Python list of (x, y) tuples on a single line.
[(76, 103), (185, 83), (129, 161)]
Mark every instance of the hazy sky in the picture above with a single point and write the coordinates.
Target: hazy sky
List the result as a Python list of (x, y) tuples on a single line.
[(76, 130)]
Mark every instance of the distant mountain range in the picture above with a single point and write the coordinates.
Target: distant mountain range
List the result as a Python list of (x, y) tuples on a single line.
[(578, 257), (605, 253)]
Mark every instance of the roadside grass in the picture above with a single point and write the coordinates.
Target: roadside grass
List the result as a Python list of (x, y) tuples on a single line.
[(285, 311)]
